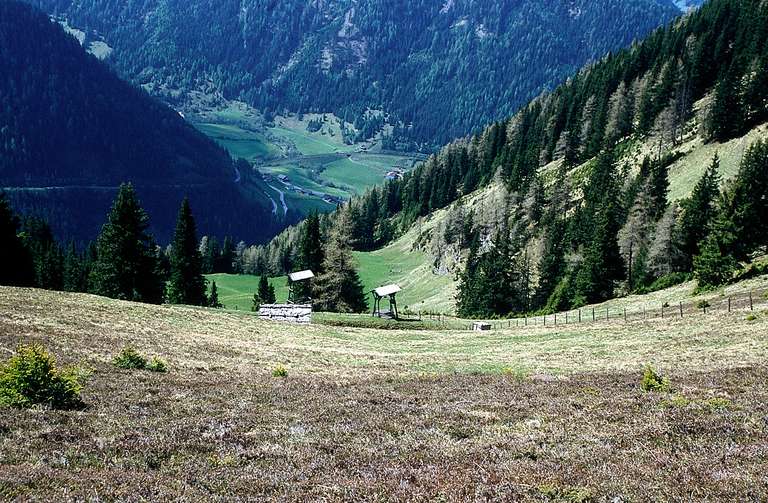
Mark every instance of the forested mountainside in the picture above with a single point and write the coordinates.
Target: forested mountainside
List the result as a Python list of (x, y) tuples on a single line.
[(586, 212), (71, 131), (436, 68)]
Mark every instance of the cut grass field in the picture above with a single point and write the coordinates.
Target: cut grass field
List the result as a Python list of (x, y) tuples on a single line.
[(551, 414)]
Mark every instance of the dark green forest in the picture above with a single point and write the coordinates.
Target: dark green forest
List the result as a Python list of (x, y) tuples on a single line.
[(439, 69), (71, 131), (613, 230)]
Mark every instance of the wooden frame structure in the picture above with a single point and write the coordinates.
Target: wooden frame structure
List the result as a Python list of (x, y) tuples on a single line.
[(389, 291), (297, 277)]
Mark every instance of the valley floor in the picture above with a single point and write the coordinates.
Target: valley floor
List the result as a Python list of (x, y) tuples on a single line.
[(548, 414)]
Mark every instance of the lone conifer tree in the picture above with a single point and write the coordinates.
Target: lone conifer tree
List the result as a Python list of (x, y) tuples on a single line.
[(126, 259), (187, 284), (339, 288), (213, 298), (266, 291)]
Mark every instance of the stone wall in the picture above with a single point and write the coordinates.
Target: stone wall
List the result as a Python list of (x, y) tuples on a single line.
[(287, 313)]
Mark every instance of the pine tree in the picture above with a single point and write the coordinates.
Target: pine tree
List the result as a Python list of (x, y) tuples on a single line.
[(16, 267), (266, 292), (339, 288), (310, 254), (125, 253), (603, 264), (74, 271), (726, 115), (698, 211), (187, 284), (213, 298), (552, 263), (747, 210), (715, 264)]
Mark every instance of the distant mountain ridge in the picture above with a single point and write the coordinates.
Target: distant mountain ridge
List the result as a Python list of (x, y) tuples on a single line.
[(71, 131), (438, 68)]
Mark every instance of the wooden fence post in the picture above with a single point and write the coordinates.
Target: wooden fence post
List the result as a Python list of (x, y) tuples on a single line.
[(751, 307), (625, 315), (579, 315), (662, 310), (607, 316), (729, 304), (681, 309), (555, 319), (593, 314), (566, 317)]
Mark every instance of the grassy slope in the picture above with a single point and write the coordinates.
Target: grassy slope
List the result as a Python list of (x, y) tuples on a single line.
[(369, 414), (397, 263), (682, 177)]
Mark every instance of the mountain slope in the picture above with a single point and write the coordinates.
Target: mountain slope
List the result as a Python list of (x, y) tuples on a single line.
[(609, 155), (71, 131), (445, 67)]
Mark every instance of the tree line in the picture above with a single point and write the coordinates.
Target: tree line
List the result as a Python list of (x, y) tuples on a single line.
[(125, 262)]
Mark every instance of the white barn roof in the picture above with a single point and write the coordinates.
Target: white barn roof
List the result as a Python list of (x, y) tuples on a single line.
[(387, 290), (301, 275)]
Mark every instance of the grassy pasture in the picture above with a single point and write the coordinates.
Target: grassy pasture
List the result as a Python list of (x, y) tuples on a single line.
[(367, 414), (239, 142)]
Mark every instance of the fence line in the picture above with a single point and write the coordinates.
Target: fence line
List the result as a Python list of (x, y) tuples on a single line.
[(744, 302)]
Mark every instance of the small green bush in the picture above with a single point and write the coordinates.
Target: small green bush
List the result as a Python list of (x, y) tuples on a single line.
[(30, 377), (157, 365), (652, 381), (129, 358), (751, 317), (280, 371), (703, 304)]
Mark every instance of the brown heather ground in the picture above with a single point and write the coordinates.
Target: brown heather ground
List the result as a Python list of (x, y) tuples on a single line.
[(383, 415)]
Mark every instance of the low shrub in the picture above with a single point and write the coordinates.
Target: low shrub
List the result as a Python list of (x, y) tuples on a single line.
[(703, 304), (751, 317), (30, 377), (280, 371), (652, 381), (129, 358), (157, 365)]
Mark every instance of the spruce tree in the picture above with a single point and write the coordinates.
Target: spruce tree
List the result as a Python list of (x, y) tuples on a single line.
[(266, 292), (726, 115), (698, 211), (125, 253), (552, 263), (186, 284), (467, 298), (16, 267), (74, 270), (339, 288), (747, 209), (213, 298), (310, 254)]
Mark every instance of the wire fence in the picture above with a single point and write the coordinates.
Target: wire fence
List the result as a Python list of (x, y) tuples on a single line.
[(747, 301)]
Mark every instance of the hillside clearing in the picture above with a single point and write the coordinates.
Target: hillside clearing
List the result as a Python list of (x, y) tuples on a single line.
[(373, 415)]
